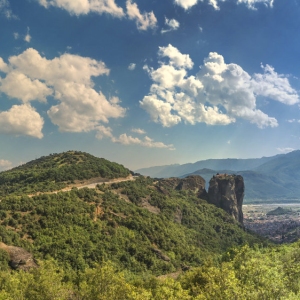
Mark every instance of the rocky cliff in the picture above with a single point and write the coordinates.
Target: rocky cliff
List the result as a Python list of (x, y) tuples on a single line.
[(227, 192), (194, 183)]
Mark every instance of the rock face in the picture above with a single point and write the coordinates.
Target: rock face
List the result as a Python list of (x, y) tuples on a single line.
[(227, 192), (193, 183), (20, 259)]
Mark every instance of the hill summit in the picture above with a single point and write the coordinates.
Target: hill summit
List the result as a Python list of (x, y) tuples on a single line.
[(55, 171)]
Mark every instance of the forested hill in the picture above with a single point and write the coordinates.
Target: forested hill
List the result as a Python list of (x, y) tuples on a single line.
[(55, 171), (111, 242)]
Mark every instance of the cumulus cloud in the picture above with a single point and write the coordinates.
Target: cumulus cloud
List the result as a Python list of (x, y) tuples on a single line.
[(3, 66), (67, 78), (172, 25), (17, 85), (131, 66), (143, 21), (21, 120), (186, 4), (275, 86), (176, 58), (218, 94), (124, 139), (79, 7), (294, 121), (138, 130), (5, 164)]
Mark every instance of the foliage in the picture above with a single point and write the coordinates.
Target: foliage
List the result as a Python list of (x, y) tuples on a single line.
[(242, 273), (53, 172)]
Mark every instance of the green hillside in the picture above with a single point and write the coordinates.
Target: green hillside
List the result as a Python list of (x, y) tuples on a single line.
[(113, 241), (55, 171), (81, 227)]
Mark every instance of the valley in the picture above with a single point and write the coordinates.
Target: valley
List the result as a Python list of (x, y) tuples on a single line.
[(279, 222)]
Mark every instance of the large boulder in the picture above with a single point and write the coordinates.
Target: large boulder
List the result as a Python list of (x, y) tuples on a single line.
[(227, 192), (20, 259)]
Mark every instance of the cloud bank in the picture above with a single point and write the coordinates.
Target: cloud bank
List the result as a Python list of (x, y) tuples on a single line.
[(67, 79), (218, 94), (124, 139), (143, 21)]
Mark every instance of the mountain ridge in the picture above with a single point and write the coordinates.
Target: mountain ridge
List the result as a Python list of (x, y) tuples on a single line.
[(275, 178)]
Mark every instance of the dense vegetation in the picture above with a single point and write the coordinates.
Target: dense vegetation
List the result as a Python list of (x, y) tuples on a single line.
[(81, 227), (113, 241), (55, 171), (240, 274)]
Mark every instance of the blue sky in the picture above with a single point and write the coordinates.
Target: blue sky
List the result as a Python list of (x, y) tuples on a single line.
[(147, 83)]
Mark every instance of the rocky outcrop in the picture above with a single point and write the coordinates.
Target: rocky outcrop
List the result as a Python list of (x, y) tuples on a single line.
[(227, 192), (194, 183), (20, 259)]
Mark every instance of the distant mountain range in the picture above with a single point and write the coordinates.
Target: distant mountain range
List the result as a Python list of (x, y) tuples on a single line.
[(271, 179)]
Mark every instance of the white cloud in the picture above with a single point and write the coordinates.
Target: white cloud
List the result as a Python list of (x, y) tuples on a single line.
[(229, 86), (176, 58), (17, 85), (143, 21), (172, 25), (217, 95), (251, 3), (294, 121), (16, 35), (79, 7), (186, 4), (21, 120), (285, 150), (5, 10), (274, 86), (3, 66), (125, 139), (103, 132), (145, 142), (27, 37), (131, 66), (138, 130), (5, 164), (68, 79)]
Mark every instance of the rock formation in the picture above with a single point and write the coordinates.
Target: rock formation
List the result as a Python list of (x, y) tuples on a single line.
[(20, 259), (194, 183), (227, 192)]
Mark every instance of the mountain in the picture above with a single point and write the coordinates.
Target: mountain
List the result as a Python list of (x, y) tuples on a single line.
[(258, 186), (134, 224), (270, 179), (177, 170), (111, 242)]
